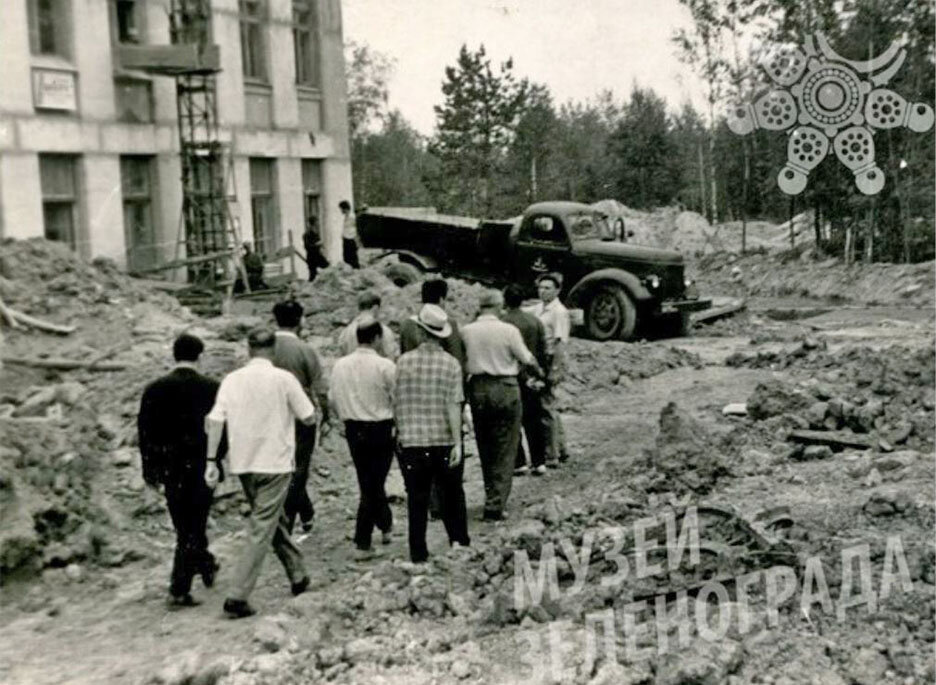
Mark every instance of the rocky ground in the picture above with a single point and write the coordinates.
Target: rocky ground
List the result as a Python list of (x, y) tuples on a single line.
[(85, 547)]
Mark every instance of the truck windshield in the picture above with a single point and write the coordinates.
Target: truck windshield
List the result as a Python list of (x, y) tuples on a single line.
[(583, 226)]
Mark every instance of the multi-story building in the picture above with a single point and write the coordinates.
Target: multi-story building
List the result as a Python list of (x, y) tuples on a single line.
[(89, 149)]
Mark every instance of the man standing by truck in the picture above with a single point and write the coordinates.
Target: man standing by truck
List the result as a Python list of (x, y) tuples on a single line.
[(349, 236), (558, 325)]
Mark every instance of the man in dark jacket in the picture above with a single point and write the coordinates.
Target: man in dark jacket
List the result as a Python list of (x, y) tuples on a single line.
[(173, 444), (312, 242), (537, 424), (301, 360)]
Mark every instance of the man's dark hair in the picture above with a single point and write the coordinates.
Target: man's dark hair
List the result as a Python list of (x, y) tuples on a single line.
[(513, 296), (288, 314), (551, 277), (260, 338), (187, 348), (368, 332), (434, 290), (344, 204), (311, 224), (368, 299)]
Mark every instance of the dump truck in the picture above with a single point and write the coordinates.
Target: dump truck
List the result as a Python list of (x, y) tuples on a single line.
[(623, 290)]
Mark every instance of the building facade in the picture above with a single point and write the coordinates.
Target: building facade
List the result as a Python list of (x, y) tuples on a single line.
[(89, 150)]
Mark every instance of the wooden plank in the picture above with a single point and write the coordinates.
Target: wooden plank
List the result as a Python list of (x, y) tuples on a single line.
[(721, 306), (64, 364), (831, 438), (170, 59)]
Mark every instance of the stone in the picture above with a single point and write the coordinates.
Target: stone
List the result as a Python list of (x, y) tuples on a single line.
[(773, 398), (816, 414), (461, 669), (526, 535), (879, 505), (328, 657), (613, 673), (270, 635), (817, 452), (363, 649), (900, 433), (70, 392), (867, 667), (896, 460), (74, 572), (701, 663), (37, 403), (457, 604), (122, 457)]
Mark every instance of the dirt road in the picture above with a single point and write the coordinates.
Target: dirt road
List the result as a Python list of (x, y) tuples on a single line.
[(385, 621)]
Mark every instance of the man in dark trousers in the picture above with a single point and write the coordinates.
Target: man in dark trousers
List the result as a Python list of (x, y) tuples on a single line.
[(172, 441), (495, 354), (428, 405), (312, 242), (412, 335), (361, 392), (536, 416), (300, 359)]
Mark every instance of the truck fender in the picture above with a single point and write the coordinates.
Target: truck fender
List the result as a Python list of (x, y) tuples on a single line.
[(421, 262), (625, 279)]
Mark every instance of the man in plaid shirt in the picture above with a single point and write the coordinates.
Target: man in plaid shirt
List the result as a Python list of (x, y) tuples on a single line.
[(427, 408)]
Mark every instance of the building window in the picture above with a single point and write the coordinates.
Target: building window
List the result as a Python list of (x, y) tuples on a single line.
[(306, 43), (57, 177), (253, 53), (136, 185), (263, 206), (312, 190), (134, 100), (127, 20), (48, 27)]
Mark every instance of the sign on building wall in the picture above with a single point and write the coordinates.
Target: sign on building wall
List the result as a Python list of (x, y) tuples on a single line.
[(54, 89)]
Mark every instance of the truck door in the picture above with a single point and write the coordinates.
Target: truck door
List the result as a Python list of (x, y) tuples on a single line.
[(542, 246)]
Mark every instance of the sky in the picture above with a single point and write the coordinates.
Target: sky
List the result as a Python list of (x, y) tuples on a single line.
[(576, 48)]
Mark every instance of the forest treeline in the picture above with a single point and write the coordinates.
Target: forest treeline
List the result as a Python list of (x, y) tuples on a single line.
[(501, 141)]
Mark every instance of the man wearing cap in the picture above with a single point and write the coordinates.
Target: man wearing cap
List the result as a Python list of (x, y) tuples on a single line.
[(495, 352), (171, 427), (428, 409), (259, 404), (362, 393), (368, 310), (558, 325), (302, 361)]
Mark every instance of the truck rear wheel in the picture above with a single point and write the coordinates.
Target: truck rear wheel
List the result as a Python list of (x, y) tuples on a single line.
[(402, 274), (610, 313)]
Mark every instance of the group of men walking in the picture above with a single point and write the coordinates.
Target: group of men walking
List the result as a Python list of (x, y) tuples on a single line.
[(261, 425)]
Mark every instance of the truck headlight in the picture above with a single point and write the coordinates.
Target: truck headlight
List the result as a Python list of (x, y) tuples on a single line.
[(692, 292), (652, 281)]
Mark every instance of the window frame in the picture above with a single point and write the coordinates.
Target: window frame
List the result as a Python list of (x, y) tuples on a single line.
[(51, 199), (254, 58), (145, 200), (54, 15), (266, 239), (123, 80), (312, 191), (307, 52), (138, 12)]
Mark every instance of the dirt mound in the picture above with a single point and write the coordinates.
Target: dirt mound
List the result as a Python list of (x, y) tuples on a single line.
[(603, 365), (831, 280), (686, 457)]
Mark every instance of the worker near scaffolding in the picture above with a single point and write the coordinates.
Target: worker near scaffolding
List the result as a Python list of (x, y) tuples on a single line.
[(253, 266)]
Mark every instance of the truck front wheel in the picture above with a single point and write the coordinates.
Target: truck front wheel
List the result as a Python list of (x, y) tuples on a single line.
[(610, 313)]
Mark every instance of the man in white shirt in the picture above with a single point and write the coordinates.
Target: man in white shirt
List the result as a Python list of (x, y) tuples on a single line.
[(349, 236), (368, 310), (558, 325), (361, 392), (259, 404), (495, 352)]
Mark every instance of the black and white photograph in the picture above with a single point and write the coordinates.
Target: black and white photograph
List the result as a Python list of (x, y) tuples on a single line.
[(430, 342)]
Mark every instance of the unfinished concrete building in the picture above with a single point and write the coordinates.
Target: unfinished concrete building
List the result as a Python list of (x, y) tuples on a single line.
[(90, 129)]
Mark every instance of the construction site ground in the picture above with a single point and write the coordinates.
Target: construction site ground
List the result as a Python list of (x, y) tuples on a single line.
[(86, 547)]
